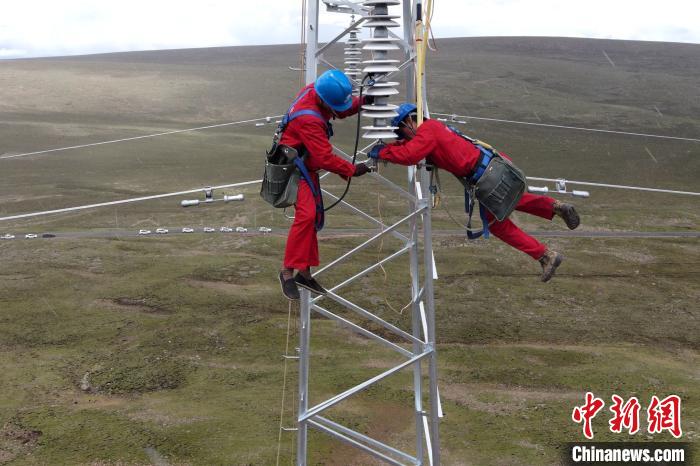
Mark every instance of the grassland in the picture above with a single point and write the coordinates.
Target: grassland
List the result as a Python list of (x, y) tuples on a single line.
[(168, 351)]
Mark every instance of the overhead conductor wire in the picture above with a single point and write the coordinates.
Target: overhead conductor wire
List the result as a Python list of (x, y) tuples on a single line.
[(126, 201), (145, 136), (577, 128)]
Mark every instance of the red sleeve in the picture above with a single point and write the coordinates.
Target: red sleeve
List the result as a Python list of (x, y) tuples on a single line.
[(353, 109), (312, 133), (410, 152)]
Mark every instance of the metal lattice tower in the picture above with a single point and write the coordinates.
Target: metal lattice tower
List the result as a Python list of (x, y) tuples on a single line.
[(380, 44), (417, 345)]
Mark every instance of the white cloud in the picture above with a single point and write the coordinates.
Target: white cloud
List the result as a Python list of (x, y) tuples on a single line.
[(673, 20), (62, 27)]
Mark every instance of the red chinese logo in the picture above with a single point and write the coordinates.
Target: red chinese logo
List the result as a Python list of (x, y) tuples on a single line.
[(661, 415), (665, 415), (625, 416), (587, 412)]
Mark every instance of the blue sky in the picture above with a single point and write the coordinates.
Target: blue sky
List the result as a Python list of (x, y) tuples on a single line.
[(71, 27)]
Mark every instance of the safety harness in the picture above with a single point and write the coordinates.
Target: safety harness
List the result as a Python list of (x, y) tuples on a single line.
[(496, 184), (288, 117), (486, 154)]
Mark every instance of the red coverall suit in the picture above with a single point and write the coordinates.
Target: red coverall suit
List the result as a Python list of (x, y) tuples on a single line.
[(448, 151), (307, 131)]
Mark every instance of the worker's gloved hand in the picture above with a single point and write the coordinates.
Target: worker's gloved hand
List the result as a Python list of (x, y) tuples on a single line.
[(361, 169), (367, 99), (374, 153)]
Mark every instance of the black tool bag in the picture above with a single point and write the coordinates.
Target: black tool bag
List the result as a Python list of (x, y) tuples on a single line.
[(281, 177), (500, 187)]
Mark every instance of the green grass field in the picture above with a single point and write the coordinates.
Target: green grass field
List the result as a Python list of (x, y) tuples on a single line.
[(138, 351)]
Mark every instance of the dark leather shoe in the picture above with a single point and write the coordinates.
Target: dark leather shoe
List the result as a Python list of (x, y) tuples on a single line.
[(289, 288), (310, 284), (550, 261), (568, 213)]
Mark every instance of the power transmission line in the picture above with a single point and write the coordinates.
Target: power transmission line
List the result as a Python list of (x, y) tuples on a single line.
[(125, 201), (577, 128), (165, 133), (615, 186)]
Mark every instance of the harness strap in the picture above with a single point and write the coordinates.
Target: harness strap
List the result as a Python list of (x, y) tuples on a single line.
[(469, 201), (481, 164), (292, 116), (329, 126), (318, 198)]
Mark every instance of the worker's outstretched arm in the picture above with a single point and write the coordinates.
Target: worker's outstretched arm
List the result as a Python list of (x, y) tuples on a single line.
[(410, 152), (321, 156)]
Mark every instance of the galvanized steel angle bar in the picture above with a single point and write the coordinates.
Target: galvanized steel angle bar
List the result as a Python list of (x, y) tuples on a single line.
[(354, 443), (374, 318), (362, 331), (364, 438), (370, 241), (360, 387)]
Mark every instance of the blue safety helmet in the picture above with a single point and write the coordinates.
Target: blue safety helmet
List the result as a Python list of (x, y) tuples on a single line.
[(404, 110), (335, 90)]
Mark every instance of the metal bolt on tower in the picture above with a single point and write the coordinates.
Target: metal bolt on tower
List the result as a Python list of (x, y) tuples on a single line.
[(417, 345)]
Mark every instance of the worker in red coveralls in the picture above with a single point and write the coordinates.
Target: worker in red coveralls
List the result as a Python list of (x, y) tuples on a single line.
[(446, 149), (308, 131)]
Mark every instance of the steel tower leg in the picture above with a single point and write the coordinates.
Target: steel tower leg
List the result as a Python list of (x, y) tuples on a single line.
[(430, 317), (414, 253), (311, 40)]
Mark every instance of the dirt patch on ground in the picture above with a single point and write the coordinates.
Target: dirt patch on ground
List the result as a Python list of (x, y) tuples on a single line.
[(197, 361), (15, 276), (15, 433), (224, 287), (637, 257), (379, 364), (162, 419), (131, 305), (513, 398), (6, 456), (15, 441), (537, 346), (534, 446), (88, 274), (227, 287), (101, 402), (465, 395)]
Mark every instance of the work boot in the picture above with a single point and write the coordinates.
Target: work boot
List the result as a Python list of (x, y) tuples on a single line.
[(289, 287), (309, 283), (568, 213), (550, 261)]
